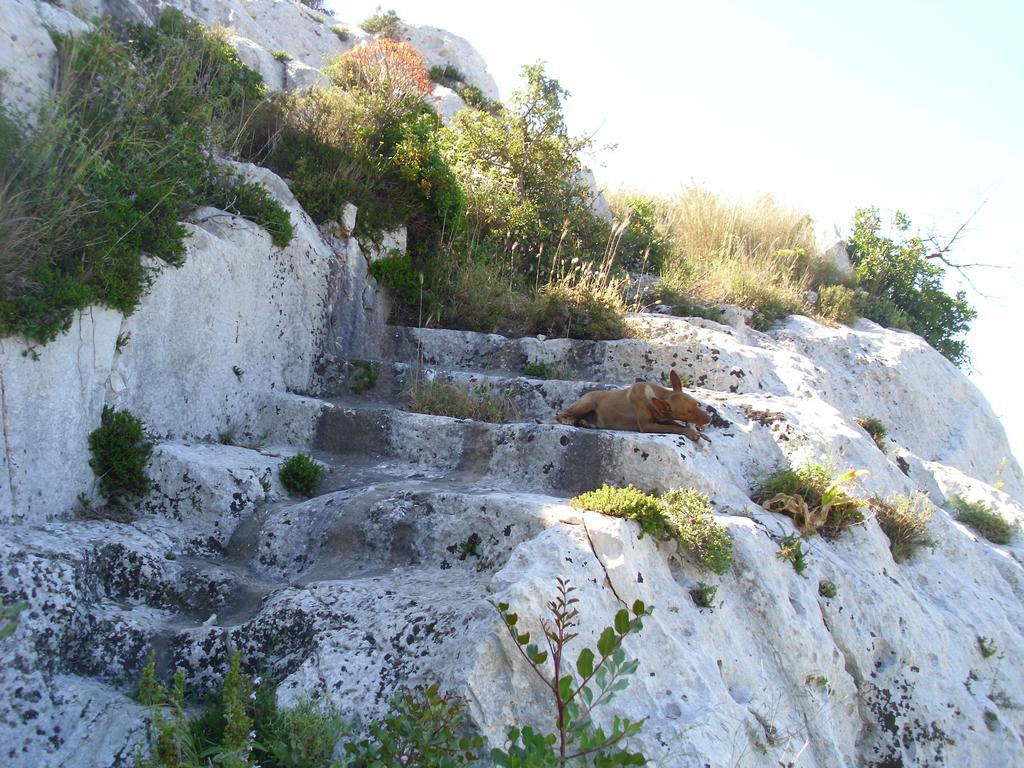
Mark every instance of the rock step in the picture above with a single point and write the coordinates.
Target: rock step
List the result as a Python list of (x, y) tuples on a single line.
[(700, 355), (548, 458)]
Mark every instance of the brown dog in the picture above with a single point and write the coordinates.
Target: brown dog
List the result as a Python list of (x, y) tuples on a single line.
[(642, 407)]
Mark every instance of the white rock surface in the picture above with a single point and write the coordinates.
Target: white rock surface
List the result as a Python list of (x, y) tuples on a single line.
[(440, 47), (445, 102)]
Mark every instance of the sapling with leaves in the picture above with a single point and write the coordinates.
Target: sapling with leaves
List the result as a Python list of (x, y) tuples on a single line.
[(576, 690)]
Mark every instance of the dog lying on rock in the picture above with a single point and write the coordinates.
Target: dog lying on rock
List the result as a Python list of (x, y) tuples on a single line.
[(641, 407)]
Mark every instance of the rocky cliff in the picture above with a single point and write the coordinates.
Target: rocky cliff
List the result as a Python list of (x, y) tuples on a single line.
[(384, 577)]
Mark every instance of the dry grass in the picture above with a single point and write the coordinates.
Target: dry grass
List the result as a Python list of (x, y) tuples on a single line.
[(443, 398), (904, 520), (760, 256)]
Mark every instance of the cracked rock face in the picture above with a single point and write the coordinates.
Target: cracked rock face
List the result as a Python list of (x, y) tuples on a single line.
[(385, 577)]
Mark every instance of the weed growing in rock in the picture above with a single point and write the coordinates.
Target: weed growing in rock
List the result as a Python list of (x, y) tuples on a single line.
[(987, 646), (682, 515), (576, 689), (442, 398), (982, 518), (239, 725), (539, 369), (814, 494), (120, 452), (282, 56), (827, 589), (991, 720), (791, 549), (875, 428), (385, 24), (421, 730), (252, 201), (300, 474), (341, 31), (121, 153), (704, 595), (364, 376), (904, 520), (9, 617), (579, 306)]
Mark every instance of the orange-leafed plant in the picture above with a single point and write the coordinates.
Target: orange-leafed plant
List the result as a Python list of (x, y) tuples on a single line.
[(384, 66)]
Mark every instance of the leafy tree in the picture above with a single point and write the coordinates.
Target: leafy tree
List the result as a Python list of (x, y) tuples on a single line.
[(520, 170), (904, 289)]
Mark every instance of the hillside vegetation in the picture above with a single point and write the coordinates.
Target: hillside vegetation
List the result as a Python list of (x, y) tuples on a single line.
[(501, 229)]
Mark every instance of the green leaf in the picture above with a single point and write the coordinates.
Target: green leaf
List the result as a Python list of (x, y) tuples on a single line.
[(607, 642), (622, 621), (585, 663), (565, 687)]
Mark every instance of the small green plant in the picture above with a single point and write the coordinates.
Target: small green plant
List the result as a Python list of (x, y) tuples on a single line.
[(364, 376), (252, 201), (791, 549), (122, 340), (987, 646), (827, 589), (998, 484), (448, 76), (875, 428), (815, 495), (819, 681), (579, 307), (120, 452), (442, 398), (237, 371), (682, 515), (576, 689), (541, 369), (904, 520), (300, 474), (9, 617), (341, 31), (704, 595), (282, 56), (991, 720), (420, 730), (384, 24), (982, 518)]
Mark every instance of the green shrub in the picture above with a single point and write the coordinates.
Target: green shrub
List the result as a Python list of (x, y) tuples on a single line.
[(341, 31), (827, 589), (238, 725), (120, 155), (875, 428), (704, 595), (442, 398), (420, 730), (814, 495), (904, 521), (682, 515), (120, 452), (449, 76), (282, 56), (384, 24), (300, 474), (837, 304), (252, 201), (364, 376), (579, 308), (576, 689), (982, 518), (906, 286), (643, 244), (404, 283)]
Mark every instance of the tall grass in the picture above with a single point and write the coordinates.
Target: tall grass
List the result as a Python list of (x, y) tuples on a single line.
[(760, 256)]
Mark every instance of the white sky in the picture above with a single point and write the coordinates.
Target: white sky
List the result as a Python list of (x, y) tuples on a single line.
[(828, 106)]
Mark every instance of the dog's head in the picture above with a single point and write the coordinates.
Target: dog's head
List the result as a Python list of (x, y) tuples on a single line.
[(680, 406)]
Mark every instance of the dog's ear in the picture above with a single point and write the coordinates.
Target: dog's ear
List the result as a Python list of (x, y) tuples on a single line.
[(677, 385), (662, 408)]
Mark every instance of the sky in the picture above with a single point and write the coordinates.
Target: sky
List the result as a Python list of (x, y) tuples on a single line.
[(827, 106)]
